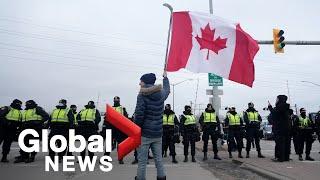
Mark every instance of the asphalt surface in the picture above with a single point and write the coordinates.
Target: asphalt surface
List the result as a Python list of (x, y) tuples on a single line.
[(208, 170)]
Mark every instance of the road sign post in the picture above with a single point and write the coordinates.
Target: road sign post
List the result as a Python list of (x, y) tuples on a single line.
[(215, 80)]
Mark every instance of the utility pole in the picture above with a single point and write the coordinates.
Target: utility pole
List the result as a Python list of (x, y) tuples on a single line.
[(195, 101), (288, 92)]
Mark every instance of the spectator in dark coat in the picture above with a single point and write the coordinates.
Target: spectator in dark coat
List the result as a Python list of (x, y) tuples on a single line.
[(148, 115), (280, 119)]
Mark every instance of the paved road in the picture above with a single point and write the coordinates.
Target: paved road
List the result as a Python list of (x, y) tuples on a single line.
[(209, 170), (36, 170)]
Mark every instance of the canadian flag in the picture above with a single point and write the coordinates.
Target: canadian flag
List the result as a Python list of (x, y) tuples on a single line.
[(206, 43)]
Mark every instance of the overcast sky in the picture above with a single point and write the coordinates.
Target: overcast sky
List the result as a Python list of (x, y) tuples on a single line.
[(80, 49)]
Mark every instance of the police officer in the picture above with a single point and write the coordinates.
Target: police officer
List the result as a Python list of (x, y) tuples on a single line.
[(317, 125), (235, 131), (304, 135), (10, 119), (189, 131), (117, 134), (61, 120), (88, 121), (170, 120), (33, 117), (210, 125), (73, 109), (253, 120)]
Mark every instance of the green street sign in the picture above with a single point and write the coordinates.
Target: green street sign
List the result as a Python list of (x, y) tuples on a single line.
[(215, 80)]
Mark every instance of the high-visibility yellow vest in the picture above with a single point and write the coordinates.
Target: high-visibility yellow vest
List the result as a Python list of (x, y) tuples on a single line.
[(119, 109), (88, 115), (190, 119), (304, 122), (253, 116), (234, 120), (168, 120), (14, 115), (209, 117), (31, 115), (60, 115)]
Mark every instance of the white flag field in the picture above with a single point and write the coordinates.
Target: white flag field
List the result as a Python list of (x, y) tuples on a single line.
[(205, 43)]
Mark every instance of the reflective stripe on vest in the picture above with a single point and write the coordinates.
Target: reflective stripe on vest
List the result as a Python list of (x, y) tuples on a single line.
[(234, 119), (190, 119), (119, 109), (209, 117), (253, 116), (14, 115), (60, 115), (31, 115), (88, 115), (304, 122), (168, 120)]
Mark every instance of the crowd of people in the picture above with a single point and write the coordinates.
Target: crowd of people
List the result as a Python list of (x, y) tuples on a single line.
[(161, 128)]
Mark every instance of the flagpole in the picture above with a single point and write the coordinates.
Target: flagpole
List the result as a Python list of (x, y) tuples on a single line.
[(169, 32)]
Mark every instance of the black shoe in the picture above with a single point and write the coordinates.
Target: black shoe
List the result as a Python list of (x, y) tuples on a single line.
[(18, 157), (205, 156), (239, 155), (174, 160), (4, 159), (300, 158), (230, 155), (150, 157), (121, 161), (161, 178), (185, 159), (216, 157), (262, 156), (248, 155), (308, 158), (19, 160), (135, 161), (193, 159)]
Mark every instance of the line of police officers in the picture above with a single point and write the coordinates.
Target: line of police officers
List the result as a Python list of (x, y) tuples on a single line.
[(13, 120)]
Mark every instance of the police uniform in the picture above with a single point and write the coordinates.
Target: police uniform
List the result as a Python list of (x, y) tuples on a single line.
[(88, 121), (235, 132), (61, 120), (210, 124), (10, 119), (169, 122), (253, 120), (304, 136), (32, 118), (190, 134)]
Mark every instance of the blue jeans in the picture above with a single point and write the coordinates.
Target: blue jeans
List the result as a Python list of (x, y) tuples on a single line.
[(156, 147)]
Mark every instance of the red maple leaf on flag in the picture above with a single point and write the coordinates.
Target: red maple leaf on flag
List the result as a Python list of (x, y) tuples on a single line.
[(207, 41)]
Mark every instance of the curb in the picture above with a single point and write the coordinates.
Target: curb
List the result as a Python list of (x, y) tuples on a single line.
[(260, 171)]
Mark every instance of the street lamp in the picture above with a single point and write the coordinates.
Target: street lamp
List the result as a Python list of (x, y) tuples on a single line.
[(311, 83), (175, 84)]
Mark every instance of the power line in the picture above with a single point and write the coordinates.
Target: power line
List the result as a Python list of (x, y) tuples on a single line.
[(78, 31), (71, 42), (81, 55)]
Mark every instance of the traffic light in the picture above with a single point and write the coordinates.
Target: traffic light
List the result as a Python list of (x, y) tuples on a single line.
[(278, 40)]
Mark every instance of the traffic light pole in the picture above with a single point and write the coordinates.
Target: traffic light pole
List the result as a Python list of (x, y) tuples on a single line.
[(292, 42)]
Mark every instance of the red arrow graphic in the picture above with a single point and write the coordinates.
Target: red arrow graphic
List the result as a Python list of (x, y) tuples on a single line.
[(126, 126)]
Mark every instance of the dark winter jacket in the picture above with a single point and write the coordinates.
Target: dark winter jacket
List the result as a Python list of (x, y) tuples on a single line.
[(149, 108), (280, 119)]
